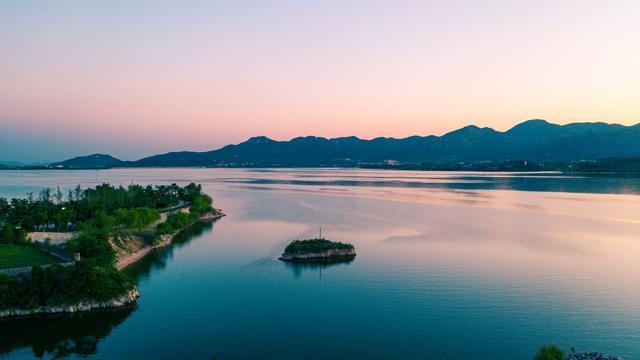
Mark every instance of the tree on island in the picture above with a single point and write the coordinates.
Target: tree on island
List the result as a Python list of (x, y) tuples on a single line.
[(549, 352)]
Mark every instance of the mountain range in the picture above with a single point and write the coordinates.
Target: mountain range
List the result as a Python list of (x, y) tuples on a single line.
[(532, 140)]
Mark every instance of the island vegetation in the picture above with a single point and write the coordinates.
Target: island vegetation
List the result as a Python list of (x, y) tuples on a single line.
[(317, 249), (105, 217), (549, 352), (555, 352), (315, 245)]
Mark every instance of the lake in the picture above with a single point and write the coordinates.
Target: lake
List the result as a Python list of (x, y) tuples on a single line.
[(449, 266)]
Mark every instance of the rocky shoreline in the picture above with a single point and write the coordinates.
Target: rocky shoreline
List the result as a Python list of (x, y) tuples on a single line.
[(321, 255), (126, 299), (163, 241), (591, 356)]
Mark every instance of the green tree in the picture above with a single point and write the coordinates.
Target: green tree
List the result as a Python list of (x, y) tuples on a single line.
[(28, 223), (191, 191), (69, 216), (137, 218), (95, 247), (7, 233), (58, 220), (549, 352), (201, 204), (45, 195), (58, 195), (5, 207)]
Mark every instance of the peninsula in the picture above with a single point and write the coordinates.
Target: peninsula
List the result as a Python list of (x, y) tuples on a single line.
[(319, 249), (83, 239)]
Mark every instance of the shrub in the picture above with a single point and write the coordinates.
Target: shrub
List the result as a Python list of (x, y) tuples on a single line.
[(136, 218), (6, 234), (28, 224), (549, 352), (63, 285), (201, 204), (175, 222), (95, 248)]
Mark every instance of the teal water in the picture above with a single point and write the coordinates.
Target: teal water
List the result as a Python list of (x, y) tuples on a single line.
[(449, 266)]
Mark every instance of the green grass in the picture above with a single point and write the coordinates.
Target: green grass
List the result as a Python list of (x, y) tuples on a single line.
[(18, 255)]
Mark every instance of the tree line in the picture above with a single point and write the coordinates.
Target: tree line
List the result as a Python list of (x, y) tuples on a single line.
[(55, 211)]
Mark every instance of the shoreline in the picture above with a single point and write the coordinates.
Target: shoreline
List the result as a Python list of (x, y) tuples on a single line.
[(327, 255), (126, 299), (164, 241)]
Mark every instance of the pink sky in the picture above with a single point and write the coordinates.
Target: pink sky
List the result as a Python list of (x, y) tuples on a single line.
[(200, 74)]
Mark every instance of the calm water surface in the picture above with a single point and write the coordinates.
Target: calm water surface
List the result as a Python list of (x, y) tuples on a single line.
[(449, 266)]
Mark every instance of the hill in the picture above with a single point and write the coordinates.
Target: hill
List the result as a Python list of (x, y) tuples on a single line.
[(95, 161), (533, 140)]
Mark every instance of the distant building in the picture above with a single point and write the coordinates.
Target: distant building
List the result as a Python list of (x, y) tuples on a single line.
[(391, 162)]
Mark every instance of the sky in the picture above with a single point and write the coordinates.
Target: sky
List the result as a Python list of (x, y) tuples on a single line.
[(135, 78)]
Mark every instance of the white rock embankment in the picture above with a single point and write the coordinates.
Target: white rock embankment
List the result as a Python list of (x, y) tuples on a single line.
[(591, 356), (163, 241), (320, 255), (126, 299)]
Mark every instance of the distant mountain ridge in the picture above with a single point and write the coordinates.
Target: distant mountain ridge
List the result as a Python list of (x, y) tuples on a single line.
[(534, 140)]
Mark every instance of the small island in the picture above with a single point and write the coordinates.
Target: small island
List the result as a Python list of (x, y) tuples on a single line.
[(319, 249)]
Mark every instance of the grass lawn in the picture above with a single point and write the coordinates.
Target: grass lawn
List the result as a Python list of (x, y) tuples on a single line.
[(13, 255)]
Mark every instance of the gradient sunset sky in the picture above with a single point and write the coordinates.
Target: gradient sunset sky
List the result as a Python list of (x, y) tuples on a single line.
[(134, 78)]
